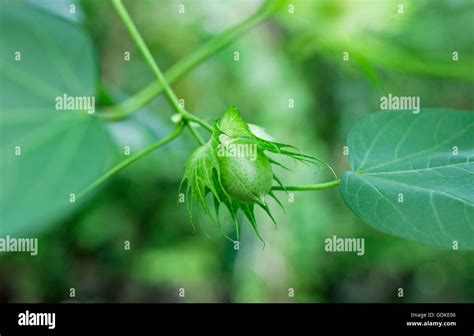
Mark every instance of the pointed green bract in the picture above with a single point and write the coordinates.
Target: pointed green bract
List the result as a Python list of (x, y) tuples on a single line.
[(202, 174), (233, 125)]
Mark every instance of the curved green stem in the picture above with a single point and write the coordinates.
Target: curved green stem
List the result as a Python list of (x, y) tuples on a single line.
[(137, 38), (131, 159), (320, 186), (196, 135), (188, 63), (189, 117)]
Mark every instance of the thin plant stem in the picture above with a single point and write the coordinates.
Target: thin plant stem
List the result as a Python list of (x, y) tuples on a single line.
[(320, 186), (137, 38), (125, 163), (196, 135)]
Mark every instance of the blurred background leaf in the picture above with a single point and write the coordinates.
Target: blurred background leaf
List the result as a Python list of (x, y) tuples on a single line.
[(47, 154)]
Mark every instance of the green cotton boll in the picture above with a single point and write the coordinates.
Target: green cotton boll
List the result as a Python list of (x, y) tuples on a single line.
[(246, 174), (233, 167)]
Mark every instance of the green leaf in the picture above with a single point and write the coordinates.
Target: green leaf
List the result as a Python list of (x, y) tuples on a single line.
[(62, 151), (414, 175)]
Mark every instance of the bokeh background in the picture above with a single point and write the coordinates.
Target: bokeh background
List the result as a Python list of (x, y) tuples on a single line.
[(295, 56)]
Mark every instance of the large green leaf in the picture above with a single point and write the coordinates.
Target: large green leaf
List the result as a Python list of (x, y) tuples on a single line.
[(414, 175), (62, 151)]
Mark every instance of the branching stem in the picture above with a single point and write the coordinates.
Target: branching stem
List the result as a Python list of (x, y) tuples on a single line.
[(207, 50), (137, 38)]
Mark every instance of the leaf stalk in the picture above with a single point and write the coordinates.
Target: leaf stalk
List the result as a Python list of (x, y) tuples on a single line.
[(320, 186)]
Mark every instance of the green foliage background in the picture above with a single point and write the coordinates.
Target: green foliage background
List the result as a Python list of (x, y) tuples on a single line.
[(296, 56)]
